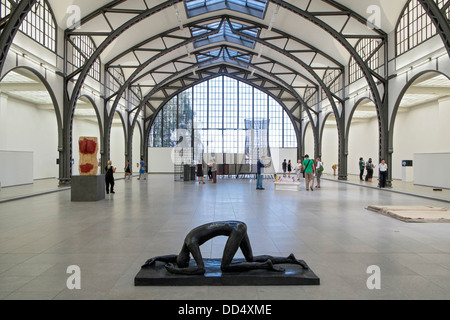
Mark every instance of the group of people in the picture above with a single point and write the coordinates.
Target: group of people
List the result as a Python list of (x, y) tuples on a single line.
[(311, 170), (110, 170), (212, 172), (369, 166)]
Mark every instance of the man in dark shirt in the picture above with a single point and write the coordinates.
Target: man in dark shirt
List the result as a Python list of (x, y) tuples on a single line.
[(284, 165), (259, 176)]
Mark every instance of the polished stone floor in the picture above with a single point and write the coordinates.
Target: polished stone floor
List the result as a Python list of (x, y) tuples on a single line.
[(40, 237)]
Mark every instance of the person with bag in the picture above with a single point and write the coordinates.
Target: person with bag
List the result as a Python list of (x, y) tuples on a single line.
[(319, 171), (369, 167), (309, 169)]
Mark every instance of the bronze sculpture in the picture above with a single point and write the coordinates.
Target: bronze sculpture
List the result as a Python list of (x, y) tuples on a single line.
[(236, 232)]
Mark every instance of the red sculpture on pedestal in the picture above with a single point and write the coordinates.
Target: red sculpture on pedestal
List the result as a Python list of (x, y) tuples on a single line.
[(88, 156)]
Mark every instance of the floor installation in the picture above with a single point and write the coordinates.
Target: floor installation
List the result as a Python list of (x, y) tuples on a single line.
[(42, 237)]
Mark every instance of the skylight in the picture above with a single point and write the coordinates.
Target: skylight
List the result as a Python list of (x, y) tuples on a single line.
[(256, 8), (225, 34), (223, 54)]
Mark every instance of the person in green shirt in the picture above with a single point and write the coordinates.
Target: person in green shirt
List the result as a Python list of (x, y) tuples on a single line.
[(309, 169), (362, 166)]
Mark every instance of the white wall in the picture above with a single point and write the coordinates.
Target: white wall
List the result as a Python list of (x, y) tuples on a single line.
[(434, 175), (363, 142), (117, 143), (424, 129), (309, 141), (421, 129), (136, 150), (330, 148), (25, 127), (16, 168), (160, 160), (278, 156)]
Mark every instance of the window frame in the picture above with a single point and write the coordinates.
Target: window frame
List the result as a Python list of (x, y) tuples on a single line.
[(42, 28), (211, 131)]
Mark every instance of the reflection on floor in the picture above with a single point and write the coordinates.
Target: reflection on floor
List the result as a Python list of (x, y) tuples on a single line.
[(45, 186), (329, 228)]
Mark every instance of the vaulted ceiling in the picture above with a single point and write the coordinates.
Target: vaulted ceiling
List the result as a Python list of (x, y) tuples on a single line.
[(291, 49)]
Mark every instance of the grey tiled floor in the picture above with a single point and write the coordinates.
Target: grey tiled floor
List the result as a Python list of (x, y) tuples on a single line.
[(329, 228)]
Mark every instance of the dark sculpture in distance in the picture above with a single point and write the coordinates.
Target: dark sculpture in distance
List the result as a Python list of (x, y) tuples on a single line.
[(237, 238)]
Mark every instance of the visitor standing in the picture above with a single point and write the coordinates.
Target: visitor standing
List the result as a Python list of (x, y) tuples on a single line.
[(127, 170), (361, 168), (210, 176), (142, 169), (200, 174), (383, 167), (289, 168), (214, 171), (284, 166), (298, 169), (369, 168), (109, 177), (309, 169), (259, 177), (319, 170)]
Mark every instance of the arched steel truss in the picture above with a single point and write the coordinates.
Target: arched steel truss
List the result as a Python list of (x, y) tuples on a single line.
[(190, 80), (11, 25), (378, 83), (438, 16)]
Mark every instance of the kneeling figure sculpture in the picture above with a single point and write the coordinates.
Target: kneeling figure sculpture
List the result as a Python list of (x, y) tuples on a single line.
[(236, 232)]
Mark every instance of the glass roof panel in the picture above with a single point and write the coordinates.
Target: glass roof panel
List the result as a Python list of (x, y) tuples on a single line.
[(256, 8)]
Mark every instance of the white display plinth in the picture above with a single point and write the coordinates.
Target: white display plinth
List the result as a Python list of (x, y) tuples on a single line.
[(287, 186), (407, 174)]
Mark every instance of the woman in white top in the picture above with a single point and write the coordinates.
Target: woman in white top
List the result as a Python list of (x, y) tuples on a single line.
[(383, 173), (298, 169)]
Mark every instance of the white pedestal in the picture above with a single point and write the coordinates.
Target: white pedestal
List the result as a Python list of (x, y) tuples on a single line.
[(407, 174), (287, 186)]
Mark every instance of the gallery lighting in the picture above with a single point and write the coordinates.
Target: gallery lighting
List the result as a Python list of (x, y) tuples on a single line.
[(177, 13), (30, 58), (274, 18), (419, 63)]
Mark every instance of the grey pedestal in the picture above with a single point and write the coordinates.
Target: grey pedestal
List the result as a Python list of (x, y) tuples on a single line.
[(157, 275), (88, 188)]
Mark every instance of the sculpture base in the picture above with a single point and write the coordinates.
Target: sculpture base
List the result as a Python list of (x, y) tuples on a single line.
[(88, 188), (157, 275)]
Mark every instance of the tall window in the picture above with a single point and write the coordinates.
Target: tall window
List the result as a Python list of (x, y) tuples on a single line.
[(369, 50), (83, 48), (39, 24), (220, 112), (415, 26)]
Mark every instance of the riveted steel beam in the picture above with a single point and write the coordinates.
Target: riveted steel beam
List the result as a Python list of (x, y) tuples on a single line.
[(439, 19), (11, 26)]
